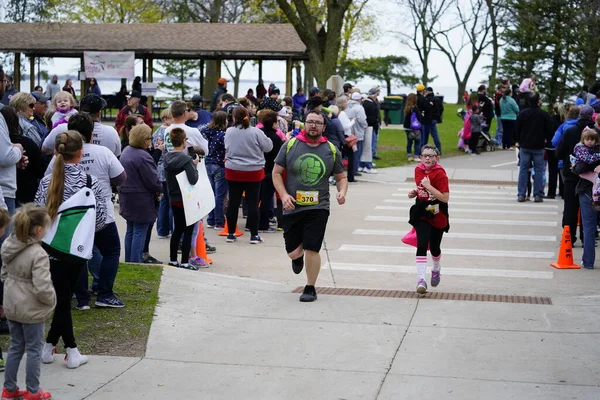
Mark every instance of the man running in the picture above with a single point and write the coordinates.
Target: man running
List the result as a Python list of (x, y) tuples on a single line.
[(309, 160)]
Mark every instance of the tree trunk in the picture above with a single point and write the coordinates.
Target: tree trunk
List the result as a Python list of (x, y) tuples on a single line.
[(388, 84), (210, 79), (495, 42), (462, 86)]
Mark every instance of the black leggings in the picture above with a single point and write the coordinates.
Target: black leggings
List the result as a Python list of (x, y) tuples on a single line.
[(64, 278), (236, 189), (267, 190), (427, 235), (473, 141), (180, 229)]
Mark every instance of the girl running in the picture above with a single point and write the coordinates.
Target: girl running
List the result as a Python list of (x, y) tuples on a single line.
[(429, 215), (29, 299)]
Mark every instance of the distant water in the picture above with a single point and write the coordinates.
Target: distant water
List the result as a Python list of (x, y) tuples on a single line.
[(112, 86)]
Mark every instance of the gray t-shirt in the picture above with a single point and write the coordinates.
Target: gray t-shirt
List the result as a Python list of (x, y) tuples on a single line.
[(307, 173)]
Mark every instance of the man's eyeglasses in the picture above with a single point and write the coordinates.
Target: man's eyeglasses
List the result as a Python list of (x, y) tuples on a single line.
[(429, 155), (315, 123), (31, 105)]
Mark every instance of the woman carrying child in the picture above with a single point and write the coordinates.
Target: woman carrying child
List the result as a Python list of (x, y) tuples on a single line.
[(586, 157), (429, 215), (29, 298)]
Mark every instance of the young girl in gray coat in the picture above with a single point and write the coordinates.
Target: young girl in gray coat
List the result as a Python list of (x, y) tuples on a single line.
[(29, 299)]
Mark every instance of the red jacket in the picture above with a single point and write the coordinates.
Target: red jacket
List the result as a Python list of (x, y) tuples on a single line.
[(126, 112)]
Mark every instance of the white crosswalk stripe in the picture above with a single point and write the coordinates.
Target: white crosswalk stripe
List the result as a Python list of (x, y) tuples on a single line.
[(474, 196), (524, 206), (446, 251), (462, 235), (410, 269), (383, 218), (470, 210), (498, 193)]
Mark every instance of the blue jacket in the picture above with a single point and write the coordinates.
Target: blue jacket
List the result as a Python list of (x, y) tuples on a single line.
[(561, 130)]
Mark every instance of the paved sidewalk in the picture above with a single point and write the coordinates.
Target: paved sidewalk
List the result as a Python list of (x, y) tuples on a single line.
[(235, 331)]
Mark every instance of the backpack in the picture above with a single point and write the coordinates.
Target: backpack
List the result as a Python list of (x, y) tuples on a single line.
[(415, 124), (293, 140), (467, 126), (71, 236)]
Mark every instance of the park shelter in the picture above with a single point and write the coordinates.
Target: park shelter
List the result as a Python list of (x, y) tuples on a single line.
[(150, 42)]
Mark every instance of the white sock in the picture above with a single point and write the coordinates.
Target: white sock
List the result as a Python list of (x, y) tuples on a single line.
[(436, 262), (421, 266)]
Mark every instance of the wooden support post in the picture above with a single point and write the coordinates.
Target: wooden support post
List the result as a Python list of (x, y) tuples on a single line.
[(260, 71), (17, 72), (150, 79), (144, 76), (201, 77), (123, 83), (84, 82), (219, 62), (308, 77), (288, 77), (31, 73)]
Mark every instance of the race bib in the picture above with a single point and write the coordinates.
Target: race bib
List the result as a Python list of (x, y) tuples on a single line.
[(433, 208), (307, 197)]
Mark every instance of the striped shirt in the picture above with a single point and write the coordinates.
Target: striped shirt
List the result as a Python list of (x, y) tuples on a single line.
[(75, 180)]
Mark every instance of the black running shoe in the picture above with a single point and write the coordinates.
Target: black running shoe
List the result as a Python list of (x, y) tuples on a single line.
[(298, 264), (309, 294)]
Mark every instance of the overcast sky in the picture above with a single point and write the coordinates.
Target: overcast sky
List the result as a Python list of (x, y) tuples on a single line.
[(388, 15)]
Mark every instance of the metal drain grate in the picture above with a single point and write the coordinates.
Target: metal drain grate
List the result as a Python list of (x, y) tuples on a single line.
[(475, 182), (403, 294)]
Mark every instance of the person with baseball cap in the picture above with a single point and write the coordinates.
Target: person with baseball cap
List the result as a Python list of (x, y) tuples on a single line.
[(202, 117), (437, 109), (133, 107), (39, 111), (219, 91)]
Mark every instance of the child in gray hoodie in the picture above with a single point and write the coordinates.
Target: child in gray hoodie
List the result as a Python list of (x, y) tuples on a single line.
[(177, 161)]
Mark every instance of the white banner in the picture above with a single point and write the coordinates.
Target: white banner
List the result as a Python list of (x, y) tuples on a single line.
[(149, 88), (198, 199), (109, 64)]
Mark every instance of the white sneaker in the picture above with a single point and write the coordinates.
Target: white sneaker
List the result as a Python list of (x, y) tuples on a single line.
[(74, 358), (370, 171), (373, 164), (48, 353), (360, 169)]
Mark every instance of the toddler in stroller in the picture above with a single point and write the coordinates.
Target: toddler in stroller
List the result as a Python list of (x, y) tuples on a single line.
[(472, 139)]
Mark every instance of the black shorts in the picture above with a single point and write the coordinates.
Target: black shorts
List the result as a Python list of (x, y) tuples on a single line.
[(306, 228)]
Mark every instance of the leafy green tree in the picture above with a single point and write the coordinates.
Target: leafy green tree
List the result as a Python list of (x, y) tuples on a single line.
[(181, 70), (388, 69), (323, 45), (105, 11)]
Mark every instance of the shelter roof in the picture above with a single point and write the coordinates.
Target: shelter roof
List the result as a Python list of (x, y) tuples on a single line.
[(167, 40)]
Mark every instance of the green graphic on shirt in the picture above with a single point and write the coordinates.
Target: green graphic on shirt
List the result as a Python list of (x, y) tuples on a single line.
[(310, 169)]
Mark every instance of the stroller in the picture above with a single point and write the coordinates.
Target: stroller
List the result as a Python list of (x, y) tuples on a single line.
[(485, 141)]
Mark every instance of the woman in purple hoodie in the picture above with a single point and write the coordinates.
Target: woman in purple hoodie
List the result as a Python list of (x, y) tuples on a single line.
[(138, 196)]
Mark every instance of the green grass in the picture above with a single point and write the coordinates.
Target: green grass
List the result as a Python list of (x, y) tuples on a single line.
[(392, 142), (118, 332)]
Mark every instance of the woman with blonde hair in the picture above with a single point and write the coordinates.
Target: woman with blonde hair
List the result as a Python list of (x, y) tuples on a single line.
[(66, 180), (23, 103), (138, 195)]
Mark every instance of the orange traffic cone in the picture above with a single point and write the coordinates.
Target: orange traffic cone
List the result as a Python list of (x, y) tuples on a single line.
[(201, 245), (225, 231), (565, 253)]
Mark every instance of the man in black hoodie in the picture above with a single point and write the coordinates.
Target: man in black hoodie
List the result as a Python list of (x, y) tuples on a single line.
[(487, 108), (534, 130), (570, 138), (437, 109)]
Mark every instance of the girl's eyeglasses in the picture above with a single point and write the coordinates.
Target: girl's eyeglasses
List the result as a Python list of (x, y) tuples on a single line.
[(429, 155)]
